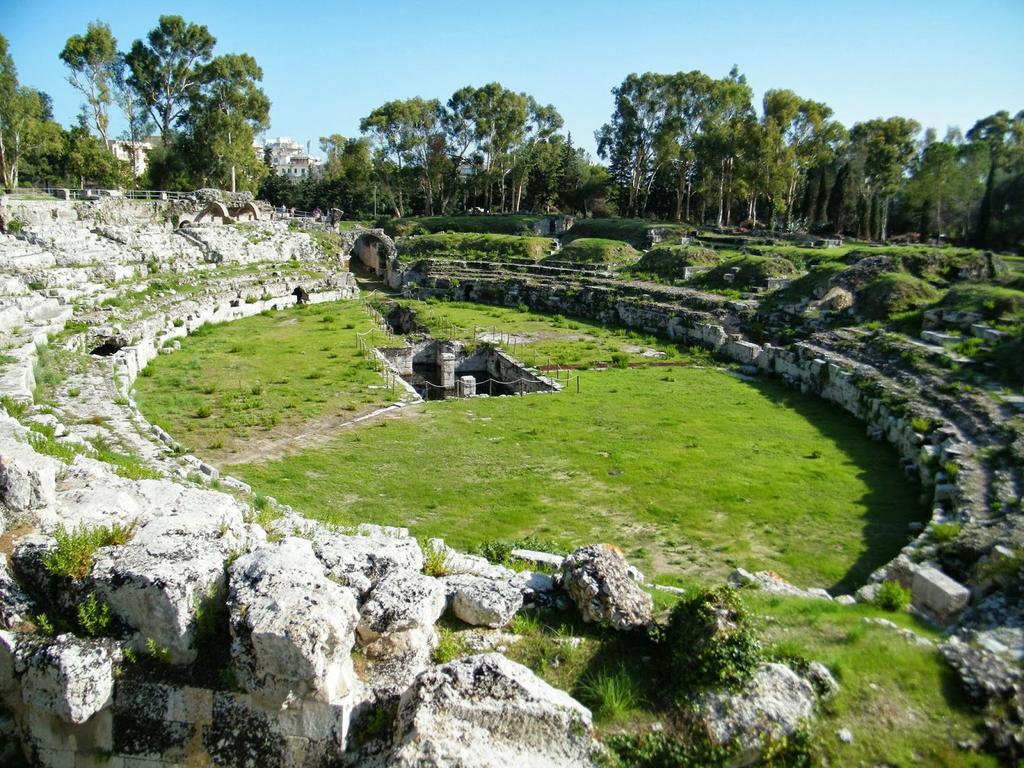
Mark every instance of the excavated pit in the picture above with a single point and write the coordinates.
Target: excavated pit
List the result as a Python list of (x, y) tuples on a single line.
[(439, 369)]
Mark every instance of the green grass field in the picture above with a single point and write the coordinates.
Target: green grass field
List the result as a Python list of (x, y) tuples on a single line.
[(236, 383), (689, 470), (503, 224), (692, 471)]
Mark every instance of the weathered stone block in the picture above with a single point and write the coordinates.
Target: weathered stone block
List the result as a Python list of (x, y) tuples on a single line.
[(291, 627), (938, 594), (71, 678)]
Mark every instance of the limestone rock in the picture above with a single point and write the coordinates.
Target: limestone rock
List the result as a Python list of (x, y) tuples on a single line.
[(14, 603), (824, 684), (71, 678), (27, 480), (771, 705), (488, 712), (399, 616), (938, 594), (597, 578), (363, 560), (484, 602), (173, 563), (291, 626)]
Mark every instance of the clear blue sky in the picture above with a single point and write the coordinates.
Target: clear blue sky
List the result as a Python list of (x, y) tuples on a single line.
[(328, 64)]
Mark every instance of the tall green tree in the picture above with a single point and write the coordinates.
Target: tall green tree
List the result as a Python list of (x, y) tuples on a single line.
[(221, 122), (26, 125), (630, 142), (92, 59), (167, 70), (883, 150), (137, 119), (407, 134), (1001, 137)]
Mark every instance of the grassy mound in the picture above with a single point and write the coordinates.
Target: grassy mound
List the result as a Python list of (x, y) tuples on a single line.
[(481, 247), (632, 231), (753, 271), (993, 302), (670, 261), (511, 224), (892, 293), (596, 250)]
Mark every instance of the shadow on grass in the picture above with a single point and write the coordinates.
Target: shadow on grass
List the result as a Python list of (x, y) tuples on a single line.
[(893, 501)]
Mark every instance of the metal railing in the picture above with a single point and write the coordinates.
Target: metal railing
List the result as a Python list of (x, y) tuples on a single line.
[(95, 193)]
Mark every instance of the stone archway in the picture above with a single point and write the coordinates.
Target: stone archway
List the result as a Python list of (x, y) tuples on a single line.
[(213, 211), (247, 212), (374, 250)]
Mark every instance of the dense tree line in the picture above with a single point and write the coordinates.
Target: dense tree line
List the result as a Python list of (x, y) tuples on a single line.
[(690, 147), (683, 146), (488, 148), (207, 110)]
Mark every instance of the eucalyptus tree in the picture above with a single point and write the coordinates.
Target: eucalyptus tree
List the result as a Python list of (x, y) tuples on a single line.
[(500, 125), (167, 70), (632, 142), (137, 120), (536, 153), (1001, 138), (224, 114), (885, 149), (408, 135), (797, 135), (688, 103), (727, 136), (946, 184), (26, 124), (92, 59)]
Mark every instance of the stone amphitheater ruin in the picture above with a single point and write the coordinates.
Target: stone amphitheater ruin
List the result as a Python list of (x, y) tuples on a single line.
[(329, 628)]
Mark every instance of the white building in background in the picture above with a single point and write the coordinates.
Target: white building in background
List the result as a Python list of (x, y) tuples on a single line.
[(136, 154), (291, 159)]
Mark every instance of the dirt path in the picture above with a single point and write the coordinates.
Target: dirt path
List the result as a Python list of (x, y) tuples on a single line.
[(284, 440)]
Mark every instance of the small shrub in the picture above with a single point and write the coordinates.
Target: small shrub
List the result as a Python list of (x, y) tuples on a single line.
[(620, 360), (921, 424), (93, 616), (610, 694), (73, 556), (74, 392), (944, 532), (892, 596), (450, 646), (15, 408), (203, 411), (435, 563), (952, 469), (711, 642), (178, 322), (44, 625), (158, 653), (211, 617)]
